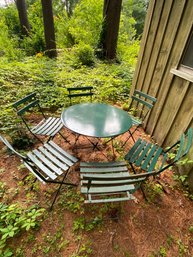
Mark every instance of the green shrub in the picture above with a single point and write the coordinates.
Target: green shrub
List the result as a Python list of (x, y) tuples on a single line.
[(84, 54)]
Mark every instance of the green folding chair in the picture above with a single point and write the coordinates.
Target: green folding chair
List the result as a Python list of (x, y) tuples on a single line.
[(140, 106), (153, 159), (48, 126), (77, 92), (49, 163)]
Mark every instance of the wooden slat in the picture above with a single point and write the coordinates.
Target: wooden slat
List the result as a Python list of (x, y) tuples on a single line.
[(108, 200), (177, 91), (47, 162), (155, 51), (103, 164), (104, 170), (106, 176), (155, 159), (149, 105), (140, 93), (149, 157), (38, 176), (150, 41), (23, 100), (112, 189), (177, 36), (143, 154), (133, 149), (147, 26), (69, 156), (80, 94), (41, 166), (60, 164), (138, 151), (27, 107), (79, 88), (183, 118)]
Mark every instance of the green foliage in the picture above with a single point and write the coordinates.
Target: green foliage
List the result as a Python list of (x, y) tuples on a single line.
[(50, 78), (14, 220), (84, 55), (82, 26)]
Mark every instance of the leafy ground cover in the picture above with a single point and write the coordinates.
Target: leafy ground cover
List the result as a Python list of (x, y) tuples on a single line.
[(50, 79), (160, 227)]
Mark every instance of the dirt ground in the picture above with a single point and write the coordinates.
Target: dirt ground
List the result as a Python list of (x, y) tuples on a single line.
[(163, 226)]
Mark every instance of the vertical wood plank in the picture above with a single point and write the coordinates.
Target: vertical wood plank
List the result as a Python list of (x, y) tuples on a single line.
[(147, 24), (149, 44), (183, 119), (162, 79), (173, 103)]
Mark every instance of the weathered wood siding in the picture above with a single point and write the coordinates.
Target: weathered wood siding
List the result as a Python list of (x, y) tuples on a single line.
[(167, 28)]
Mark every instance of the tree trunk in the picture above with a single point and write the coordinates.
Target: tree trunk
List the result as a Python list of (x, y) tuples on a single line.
[(49, 28), (109, 34), (22, 11)]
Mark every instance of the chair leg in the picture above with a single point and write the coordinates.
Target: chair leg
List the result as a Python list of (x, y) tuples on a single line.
[(130, 135), (67, 141), (61, 183), (143, 192)]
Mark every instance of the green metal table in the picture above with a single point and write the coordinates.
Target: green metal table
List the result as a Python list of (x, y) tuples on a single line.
[(96, 120)]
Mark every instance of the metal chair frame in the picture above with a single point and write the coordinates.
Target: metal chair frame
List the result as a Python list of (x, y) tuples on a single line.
[(46, 127), (146, 102)]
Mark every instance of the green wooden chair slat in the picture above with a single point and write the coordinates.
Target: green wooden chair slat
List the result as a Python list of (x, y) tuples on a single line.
[(45, 152), (60, 156), (28, 107), (48, 163), (133, 149), (138, 151), (105, 183), (80, 94), (103, 164), (143, 154), (140, 93), (41, 166), (72, 158), (25, 99), (106, 190), (76, 92), (105, 169), (118, 199), (155, 159), (142, 102), (149, 157)]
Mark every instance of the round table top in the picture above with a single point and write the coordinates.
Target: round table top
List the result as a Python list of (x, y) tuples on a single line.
[(96, 120)]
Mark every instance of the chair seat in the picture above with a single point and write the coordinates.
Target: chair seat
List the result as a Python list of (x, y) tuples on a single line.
[(49, 127), (106, 182), (145, 155)]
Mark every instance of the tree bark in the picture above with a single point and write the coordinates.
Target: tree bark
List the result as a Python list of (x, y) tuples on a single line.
[(49, 28), (22, 11), (109, 34)]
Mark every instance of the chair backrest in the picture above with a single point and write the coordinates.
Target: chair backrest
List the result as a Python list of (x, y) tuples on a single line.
[(10, 147), (180, 149), (25, 104), (75, 92), (141, 104)]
